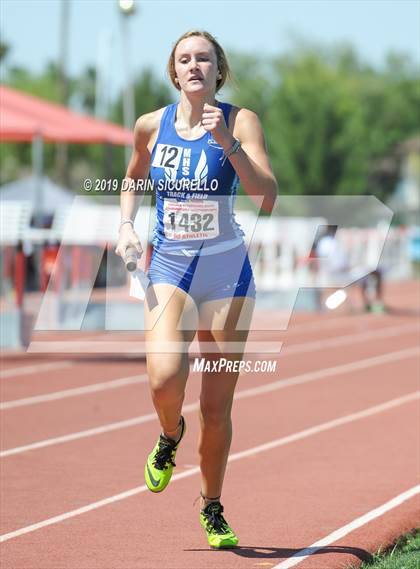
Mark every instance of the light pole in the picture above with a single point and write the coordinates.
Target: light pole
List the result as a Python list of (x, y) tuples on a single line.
[(103, 74), (127, 9)]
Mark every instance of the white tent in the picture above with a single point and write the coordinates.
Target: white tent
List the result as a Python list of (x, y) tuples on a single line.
[(54, 196)]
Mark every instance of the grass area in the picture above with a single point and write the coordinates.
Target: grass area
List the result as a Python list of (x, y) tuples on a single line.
[(403, 554)]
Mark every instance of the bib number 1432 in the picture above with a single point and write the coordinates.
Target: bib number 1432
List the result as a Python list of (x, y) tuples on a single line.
[(191, 220)]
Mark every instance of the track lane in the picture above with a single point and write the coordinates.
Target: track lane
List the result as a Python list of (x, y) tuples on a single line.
[(280, 412), (370, 537), (126, 536), (83, 372), (28, 425), (79, 374), (308, 556), (295, 348), (344, 464)]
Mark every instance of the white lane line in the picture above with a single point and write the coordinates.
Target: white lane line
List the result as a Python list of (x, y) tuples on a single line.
[(288, 351), (91, 432), (233, 457), (348, 528), (349, 339), (328, 372), (280, 384), (75, 392), (124, 348), (308, 325), (114, 344), (337, 321), (35, 368), (332, 424)]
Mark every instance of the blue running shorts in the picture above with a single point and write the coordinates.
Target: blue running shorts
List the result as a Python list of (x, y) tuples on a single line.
[(205, 277)]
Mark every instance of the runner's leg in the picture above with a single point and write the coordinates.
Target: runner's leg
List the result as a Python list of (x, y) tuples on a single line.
[(218, 322), (170, 328)]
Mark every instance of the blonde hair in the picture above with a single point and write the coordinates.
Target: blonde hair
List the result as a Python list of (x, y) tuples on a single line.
[(222, 63)]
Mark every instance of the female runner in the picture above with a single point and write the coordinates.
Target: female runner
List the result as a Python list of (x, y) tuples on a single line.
[(195, 152)]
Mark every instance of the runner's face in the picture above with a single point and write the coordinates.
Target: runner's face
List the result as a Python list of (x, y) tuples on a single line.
[(196, 65)]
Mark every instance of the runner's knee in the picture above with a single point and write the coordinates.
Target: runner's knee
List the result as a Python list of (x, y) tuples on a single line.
[(214, 414), (167, 378)]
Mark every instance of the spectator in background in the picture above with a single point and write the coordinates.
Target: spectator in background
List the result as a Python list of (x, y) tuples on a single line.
[(335, 268)]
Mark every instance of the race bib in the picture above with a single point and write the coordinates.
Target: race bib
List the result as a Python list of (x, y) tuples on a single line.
[(191, 220), (167, 156)]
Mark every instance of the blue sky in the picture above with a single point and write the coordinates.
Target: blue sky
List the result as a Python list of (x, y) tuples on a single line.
[(32, 29)]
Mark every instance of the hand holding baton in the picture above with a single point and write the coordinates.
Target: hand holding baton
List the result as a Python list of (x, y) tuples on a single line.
[(130, 258)]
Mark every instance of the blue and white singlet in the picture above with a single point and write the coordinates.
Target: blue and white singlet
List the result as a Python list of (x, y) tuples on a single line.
[(195, 192)]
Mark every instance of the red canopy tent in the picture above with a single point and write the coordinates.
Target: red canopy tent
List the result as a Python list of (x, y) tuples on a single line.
[(25, 117)]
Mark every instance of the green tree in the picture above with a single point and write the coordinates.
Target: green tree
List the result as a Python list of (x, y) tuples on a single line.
[(331, 121), (4, 50), (318, 140), (252, 83)]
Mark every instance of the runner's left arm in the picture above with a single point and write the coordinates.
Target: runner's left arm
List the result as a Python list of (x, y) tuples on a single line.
[(251, 162)]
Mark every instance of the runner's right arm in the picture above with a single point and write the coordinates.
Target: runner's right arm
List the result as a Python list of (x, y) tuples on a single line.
[(131, 192)]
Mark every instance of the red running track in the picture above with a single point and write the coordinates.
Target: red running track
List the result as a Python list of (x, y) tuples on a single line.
[(321, 449)]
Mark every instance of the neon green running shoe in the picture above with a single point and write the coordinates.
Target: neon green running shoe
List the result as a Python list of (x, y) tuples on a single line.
[(161, 461), (378, 308), (219, 534)]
